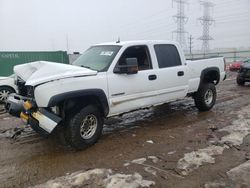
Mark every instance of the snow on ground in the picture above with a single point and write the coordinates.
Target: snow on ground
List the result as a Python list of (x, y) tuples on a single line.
[(239, 129), (236, 177), (240, 174), (97, 178), (139, 161), (195, 159)]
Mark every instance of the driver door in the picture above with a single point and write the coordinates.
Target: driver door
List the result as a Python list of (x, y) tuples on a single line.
[(130, 91)]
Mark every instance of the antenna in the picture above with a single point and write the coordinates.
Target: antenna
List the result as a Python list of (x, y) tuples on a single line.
[(118, 40)]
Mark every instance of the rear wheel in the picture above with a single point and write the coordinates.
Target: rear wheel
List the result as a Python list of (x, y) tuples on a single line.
[(84, 128), (240, 81), (4, 93), (205, 97)]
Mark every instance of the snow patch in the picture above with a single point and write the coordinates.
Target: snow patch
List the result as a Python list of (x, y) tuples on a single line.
[(193, 160), (237, 132), (153, 158), (150, 170), (98, 178), (239, 129), (139, 161), (123, 180), (171, 152), (240, 174), (236, 177), (150, 141)]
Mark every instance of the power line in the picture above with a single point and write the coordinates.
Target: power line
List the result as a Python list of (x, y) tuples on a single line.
[(206, 21), (181, 20)]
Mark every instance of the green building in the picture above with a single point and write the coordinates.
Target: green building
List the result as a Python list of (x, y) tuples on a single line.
[(9, 59)]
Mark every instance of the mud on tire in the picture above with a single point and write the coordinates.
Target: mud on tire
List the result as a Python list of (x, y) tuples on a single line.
[(205, 97), (84, 127)]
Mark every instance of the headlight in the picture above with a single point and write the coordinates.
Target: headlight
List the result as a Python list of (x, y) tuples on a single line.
[(15, 79)]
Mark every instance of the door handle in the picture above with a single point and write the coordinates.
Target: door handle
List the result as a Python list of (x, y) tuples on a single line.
[(152, 77), (180, 73)]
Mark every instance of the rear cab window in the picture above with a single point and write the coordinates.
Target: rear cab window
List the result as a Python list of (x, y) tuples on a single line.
[(167, 55)]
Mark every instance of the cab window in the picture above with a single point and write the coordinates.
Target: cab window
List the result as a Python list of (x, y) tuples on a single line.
[(139, 52), (167, 55)]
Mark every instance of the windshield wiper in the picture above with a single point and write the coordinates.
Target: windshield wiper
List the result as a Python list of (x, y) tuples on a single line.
[(84, 66)]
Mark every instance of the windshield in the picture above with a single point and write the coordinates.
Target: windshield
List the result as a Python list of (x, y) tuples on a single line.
[(98, 58)]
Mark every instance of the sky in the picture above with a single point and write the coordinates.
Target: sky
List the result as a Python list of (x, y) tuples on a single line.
[(74, 25)]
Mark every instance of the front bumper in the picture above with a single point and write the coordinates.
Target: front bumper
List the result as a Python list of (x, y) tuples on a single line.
[(244, 76), (40, 119)]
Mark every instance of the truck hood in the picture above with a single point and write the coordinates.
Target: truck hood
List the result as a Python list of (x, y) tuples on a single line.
[(3, 78), (39, 72)]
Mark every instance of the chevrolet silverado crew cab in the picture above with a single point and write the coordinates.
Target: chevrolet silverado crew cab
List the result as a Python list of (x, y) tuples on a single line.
[(107, 80)]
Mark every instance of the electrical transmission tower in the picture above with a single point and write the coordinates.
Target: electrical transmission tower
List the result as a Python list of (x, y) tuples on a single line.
[(206, 21), (190, 42), (181, 20)]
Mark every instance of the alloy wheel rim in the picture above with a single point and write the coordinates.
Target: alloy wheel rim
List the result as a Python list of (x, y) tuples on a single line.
[(88, 126), (209, 96), (4, 95)]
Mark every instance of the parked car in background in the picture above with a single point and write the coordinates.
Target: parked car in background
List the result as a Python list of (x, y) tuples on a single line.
[(7, 86), (235, 66), (244, 74), (247, 61)]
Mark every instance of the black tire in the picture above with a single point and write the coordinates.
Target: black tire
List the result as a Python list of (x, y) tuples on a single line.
[(239, 81), (205, 97), (74, 136), (5, 89)]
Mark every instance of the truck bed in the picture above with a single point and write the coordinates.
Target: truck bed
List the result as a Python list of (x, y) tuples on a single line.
[(195, 67)]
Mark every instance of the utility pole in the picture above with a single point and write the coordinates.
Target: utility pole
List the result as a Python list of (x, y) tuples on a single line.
[(67, 43), (190, 45), (181, 20), (206, 21)]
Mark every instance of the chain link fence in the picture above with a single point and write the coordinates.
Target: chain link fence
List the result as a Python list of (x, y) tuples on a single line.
[(230, 56)]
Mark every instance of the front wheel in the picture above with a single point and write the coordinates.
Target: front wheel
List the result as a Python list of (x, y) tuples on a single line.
[(205, 97), (84, 128), (4, 93)]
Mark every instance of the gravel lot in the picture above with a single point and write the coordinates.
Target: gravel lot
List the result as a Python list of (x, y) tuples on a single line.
[(172, 145)]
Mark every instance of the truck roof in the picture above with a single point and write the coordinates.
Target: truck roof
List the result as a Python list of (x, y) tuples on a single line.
[(139, 42)]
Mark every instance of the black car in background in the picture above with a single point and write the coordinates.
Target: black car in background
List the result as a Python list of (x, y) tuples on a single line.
[(244, 74)]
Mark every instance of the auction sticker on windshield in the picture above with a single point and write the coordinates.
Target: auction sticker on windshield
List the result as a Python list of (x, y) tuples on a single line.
[(107, 53)]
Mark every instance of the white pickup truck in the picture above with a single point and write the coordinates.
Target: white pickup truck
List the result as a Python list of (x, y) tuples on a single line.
[(107, 80)]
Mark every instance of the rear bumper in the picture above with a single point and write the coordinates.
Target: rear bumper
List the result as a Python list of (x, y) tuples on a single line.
[(40, 119)]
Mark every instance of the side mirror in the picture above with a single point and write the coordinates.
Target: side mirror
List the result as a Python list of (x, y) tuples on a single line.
[(130, 67)]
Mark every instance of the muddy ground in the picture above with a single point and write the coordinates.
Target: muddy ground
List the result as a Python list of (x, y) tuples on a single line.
[(156, 147)]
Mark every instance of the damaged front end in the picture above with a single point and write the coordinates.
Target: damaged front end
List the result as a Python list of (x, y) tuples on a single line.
[(42, 120)]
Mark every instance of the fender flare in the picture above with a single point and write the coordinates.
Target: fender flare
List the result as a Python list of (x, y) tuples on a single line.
[(205, 71), (98, 93)]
